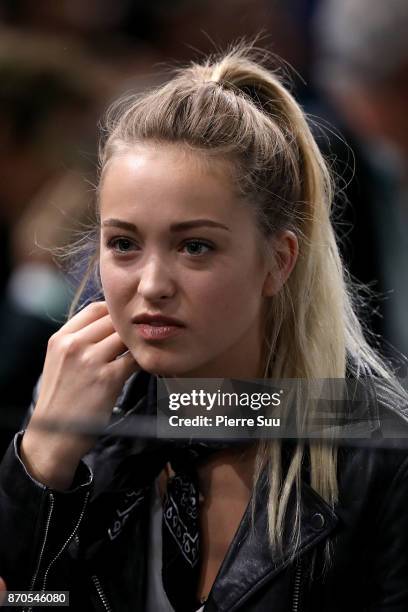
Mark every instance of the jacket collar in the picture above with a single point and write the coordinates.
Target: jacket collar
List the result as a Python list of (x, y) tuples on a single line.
[(249, 563)]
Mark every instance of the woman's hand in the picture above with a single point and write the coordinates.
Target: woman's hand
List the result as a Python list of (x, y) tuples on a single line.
[(81, 379)]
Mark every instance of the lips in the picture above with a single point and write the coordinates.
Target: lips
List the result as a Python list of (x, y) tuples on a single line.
[(157, 326), (157, 320)]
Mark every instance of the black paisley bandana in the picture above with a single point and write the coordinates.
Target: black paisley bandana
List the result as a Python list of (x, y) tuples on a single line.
[(180, 536), (180, 526)]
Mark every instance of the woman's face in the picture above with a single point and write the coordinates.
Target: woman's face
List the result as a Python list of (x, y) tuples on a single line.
[(177, 242)]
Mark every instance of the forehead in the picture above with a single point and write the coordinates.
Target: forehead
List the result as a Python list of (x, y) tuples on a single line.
[(168, 179)]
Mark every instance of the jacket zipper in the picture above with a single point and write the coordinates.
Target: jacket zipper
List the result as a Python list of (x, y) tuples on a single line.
[(296, 588), (47, 526), (67, 541), (61, 549), (101, 594)]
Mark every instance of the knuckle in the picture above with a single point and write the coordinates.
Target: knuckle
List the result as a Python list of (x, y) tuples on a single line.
[(69, 345), (97, 307), (86, 359), (105, 376), (53, 340)]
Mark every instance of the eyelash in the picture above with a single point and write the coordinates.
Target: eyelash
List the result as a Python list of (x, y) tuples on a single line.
[(113, 243)]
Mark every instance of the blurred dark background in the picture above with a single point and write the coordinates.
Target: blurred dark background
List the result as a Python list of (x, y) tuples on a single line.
[(61, 63)]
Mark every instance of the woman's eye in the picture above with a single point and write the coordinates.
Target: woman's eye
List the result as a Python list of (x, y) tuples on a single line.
[(120, 245), (197, 247)]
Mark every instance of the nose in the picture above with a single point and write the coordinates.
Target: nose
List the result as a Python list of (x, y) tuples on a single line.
[(156, 281)]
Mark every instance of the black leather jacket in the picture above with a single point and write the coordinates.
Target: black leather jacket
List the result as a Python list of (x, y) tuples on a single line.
[(91, 539)]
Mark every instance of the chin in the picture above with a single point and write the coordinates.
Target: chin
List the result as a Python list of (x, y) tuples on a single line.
[(167, 368)]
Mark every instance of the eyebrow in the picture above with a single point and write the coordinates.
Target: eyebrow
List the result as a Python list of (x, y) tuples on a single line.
[(175, 227)]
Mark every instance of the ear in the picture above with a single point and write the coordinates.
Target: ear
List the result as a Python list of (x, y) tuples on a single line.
[(285, 248)]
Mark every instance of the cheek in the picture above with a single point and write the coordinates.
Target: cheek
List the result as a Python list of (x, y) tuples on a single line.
[(115, 285), (228, 300), (108, 280)]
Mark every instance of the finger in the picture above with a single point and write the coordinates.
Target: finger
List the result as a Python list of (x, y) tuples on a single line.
[(111, 347), (90, 313), (97, 330), (125, 365)]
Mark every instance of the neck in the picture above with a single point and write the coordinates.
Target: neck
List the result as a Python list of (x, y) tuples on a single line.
[(228, 473)]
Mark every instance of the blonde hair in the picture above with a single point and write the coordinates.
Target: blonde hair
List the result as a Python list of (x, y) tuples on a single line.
[(234, 108)]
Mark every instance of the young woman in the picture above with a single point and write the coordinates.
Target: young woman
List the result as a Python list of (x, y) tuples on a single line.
[(217, 258)]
